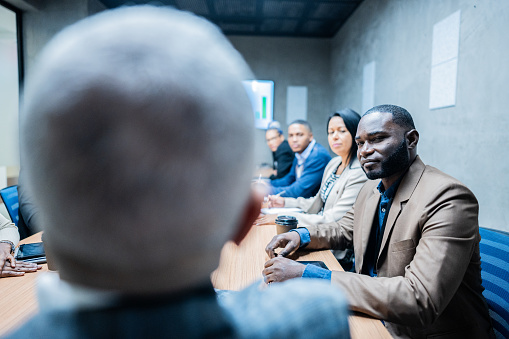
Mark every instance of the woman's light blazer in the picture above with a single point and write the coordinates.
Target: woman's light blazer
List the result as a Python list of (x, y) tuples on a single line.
[(340, 200)]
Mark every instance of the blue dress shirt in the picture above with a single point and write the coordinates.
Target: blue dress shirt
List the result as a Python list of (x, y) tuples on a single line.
[(377, 231), (375, 238), (311, 271), (309, 181)]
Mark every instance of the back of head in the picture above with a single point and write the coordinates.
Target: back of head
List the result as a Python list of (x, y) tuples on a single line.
[(137, 139)]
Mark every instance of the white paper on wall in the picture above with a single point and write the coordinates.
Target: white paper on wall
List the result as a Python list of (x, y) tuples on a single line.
[(443, 84), (368, 86), (296, 103), (446, 38), (444, 62)]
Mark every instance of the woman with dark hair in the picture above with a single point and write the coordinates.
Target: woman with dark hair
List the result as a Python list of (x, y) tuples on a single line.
[(342, 180)]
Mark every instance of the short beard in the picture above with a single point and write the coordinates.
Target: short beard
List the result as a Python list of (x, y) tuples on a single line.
[(396, 162)]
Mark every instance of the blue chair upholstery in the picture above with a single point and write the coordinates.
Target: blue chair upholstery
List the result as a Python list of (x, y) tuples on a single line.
[(10, 198), (494, 247)]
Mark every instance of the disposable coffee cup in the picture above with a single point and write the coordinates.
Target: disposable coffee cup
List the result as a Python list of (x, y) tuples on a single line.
[(285, 223)]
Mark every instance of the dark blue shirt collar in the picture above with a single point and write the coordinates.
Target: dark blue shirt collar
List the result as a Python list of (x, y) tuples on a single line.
[(391, 191)]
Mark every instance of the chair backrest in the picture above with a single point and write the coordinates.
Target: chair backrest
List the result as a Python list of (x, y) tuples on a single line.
[(10, 198), (494, 247)]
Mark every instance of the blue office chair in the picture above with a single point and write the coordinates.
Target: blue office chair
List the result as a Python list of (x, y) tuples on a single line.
[(494, 247), (10, 198)]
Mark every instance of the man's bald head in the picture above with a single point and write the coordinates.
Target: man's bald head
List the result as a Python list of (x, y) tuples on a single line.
[(137, 137)]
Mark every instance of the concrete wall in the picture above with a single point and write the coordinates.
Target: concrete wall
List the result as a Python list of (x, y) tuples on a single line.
[(465, 141), (290, 62)]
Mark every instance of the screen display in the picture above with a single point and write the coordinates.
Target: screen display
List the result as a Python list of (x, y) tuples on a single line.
[(316, 263), (27, 251), (261, 94)]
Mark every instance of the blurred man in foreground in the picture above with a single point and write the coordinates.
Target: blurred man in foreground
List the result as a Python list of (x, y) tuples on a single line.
[(415, 234), (135, 211)]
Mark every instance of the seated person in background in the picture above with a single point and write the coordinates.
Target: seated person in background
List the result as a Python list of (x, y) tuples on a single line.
[(28, 222), (129, 202), (341, 182), (304, 177), (9, 238), (415, 234), (282, 154)]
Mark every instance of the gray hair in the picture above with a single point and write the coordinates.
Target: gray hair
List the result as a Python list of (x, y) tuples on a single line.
[(137, 136)]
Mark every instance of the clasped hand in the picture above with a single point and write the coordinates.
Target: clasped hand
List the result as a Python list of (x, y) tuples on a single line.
[(279, 268), (9, 267)]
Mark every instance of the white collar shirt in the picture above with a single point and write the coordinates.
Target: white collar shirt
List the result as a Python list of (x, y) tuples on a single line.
[(301, 158)]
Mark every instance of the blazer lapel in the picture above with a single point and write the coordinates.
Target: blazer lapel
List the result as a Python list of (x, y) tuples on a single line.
[(403, 194), (333, 196), (366, 223)]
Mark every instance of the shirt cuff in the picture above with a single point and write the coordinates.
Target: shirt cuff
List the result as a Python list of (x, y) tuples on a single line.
[(10, 243), (312, 271), (305, 238)]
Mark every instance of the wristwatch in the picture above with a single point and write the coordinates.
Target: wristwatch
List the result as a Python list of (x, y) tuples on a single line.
[(10, 243)]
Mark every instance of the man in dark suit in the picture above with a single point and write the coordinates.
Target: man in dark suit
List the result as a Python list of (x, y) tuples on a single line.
[(415, 234), (306, 172), (282, 154), (135, 211)]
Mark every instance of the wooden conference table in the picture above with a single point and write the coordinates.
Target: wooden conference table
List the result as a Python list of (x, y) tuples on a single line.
[(239, 266)]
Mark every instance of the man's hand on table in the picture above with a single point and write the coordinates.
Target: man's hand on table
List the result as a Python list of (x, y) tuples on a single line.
[(278, 268), (289, 242), (5, 254), (19, 269), (12, 268)]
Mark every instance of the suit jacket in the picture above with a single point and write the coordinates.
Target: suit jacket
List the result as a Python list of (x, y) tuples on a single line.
[(192, 314), (283, 160), (309, 182), (429, 274), (197, 313), (339, 201)]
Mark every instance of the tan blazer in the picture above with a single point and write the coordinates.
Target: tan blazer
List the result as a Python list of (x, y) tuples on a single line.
[(340, 199), (429, 275)]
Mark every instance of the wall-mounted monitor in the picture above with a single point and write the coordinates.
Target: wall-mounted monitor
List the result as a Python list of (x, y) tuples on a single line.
[(261, 94)]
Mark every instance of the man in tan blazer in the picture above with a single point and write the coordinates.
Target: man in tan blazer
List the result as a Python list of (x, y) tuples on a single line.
[(416, 239)]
